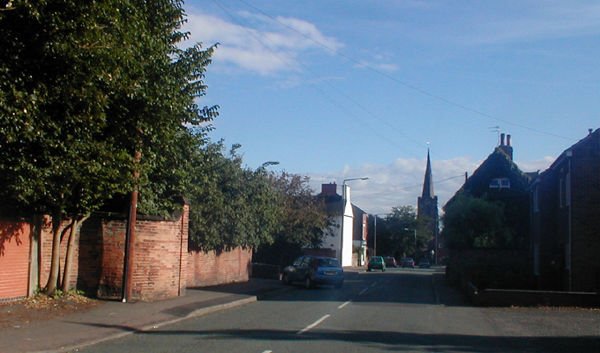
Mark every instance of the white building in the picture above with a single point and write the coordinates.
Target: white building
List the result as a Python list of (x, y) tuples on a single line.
[(339, 236)]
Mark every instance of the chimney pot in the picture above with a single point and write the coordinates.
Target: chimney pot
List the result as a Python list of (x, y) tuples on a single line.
[(502, 139), (508, 140), (590, 131)]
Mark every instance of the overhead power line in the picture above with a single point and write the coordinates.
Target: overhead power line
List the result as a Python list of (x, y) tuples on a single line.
[(410, 86), (323, 94)]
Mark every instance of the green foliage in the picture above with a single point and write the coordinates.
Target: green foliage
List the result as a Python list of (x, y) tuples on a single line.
[(230, 205), (83, 86), (471, 222), (301, 224), (396, 233), (54, 154)]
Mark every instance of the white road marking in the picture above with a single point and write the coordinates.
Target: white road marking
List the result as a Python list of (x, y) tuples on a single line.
[(373, 284), (363, 291), (267, 352), (313, 325), (343, 305)]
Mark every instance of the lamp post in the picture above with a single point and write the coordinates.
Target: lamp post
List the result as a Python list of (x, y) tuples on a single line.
[(375, 231), (415, 237), (344, 213), (375, 236)]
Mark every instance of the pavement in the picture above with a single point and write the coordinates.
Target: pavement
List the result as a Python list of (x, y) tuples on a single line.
[(113, 319)]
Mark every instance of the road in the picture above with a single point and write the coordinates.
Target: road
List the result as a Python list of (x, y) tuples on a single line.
[(401, 310)]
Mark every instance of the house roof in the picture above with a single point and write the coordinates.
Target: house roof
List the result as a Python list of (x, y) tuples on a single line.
[(498, 164), (592, 137)]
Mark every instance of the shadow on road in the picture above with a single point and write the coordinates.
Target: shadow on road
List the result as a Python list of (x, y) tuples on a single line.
[(400, 286), (402, 341)]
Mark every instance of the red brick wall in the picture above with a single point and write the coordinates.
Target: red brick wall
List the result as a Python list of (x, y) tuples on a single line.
[(158, 271), (159, 258), (163, 265), (159, 246), (112, 245), (211, 268), (15, 240)]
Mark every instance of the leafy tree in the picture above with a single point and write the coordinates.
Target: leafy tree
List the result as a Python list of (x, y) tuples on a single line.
[(84, 86), (396, 233), (230, 205), (301, 224), (471, 222)]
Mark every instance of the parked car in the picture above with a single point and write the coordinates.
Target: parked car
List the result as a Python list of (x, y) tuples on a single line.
[(313, 271), (408, 262), (390, 261), (424, 263), (376, 262)]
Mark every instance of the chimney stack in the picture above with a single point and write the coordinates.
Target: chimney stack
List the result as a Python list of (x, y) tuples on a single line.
[(506, 148), (329, 189)]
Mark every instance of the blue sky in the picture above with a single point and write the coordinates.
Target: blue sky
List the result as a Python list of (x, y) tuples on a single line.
[(343, 89)]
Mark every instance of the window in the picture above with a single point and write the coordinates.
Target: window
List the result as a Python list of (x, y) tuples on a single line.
[(298, 261), (500, 183)]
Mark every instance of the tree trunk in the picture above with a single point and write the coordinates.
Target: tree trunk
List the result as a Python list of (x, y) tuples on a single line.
[(70, 251), (55, 261)]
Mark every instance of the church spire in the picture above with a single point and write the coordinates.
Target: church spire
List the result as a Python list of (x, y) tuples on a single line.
[(428, 182)]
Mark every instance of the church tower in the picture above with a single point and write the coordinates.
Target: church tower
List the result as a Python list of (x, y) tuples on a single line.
[(427, 208)]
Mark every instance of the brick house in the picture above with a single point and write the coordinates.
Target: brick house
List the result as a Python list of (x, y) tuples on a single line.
[(565, 214), (504, 262), (499, 179)]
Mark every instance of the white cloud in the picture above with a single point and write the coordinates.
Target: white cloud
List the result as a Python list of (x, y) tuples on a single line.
[(386, 67), (265, 46), (401, 182)]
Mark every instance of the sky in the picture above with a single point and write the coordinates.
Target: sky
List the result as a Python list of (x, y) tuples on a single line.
[(336, 90)]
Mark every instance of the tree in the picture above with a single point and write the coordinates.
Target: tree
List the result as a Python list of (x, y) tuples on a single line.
[(302, 221), (230, 205), (396, 233), (471, 222), (85, 86)]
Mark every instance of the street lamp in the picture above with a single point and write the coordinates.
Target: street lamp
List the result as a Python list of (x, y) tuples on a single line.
[(415, 236), (344, 213), (375, 231)]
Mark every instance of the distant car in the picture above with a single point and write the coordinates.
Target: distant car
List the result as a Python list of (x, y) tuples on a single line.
[(408, 262), (376, 262), (390, 261), (424, 263), (313, 271)]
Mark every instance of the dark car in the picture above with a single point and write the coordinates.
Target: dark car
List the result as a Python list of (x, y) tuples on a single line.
[(376, 262), (314, 270), (390, 261), (424, 263), (408, 262)]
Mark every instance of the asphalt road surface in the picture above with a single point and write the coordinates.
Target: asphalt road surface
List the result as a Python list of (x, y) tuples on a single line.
[(401, 310)]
